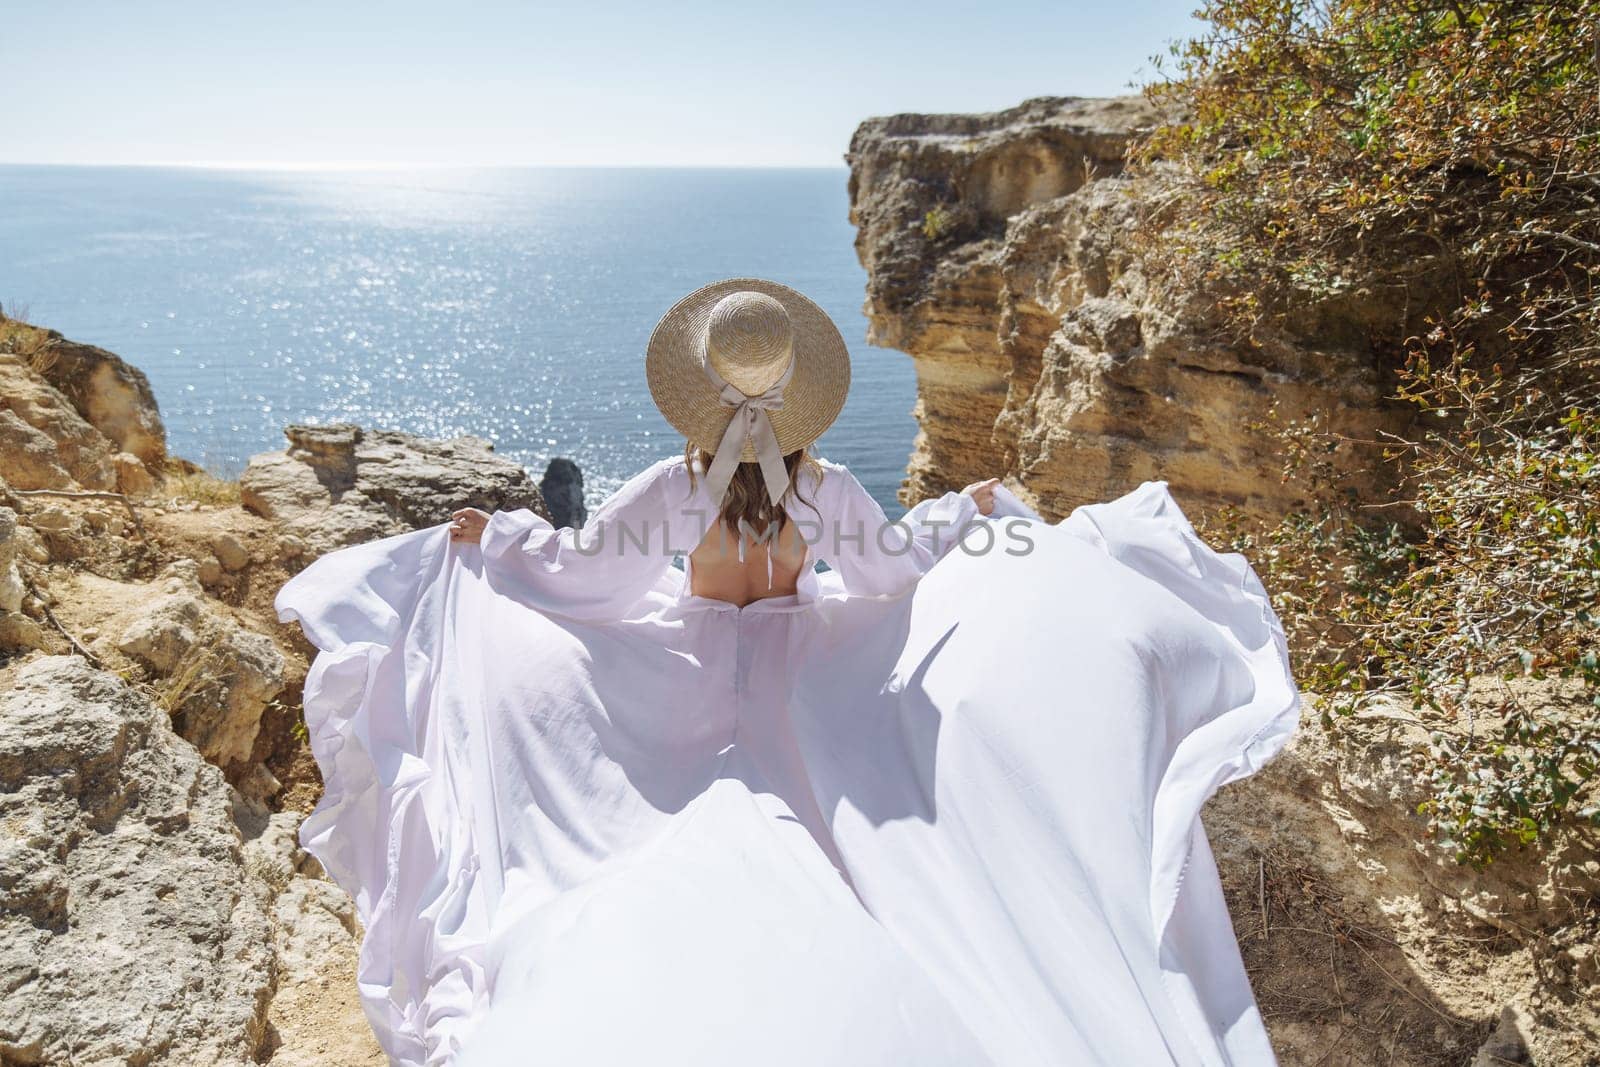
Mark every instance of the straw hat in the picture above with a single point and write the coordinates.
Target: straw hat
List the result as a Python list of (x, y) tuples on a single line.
[(747, 347)]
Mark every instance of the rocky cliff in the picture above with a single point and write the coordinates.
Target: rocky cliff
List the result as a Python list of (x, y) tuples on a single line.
[(154, 905), (1000, 257), (154, 908), (1003, 257)]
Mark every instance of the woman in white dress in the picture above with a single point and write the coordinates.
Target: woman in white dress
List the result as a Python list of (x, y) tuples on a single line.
[(938, 804)]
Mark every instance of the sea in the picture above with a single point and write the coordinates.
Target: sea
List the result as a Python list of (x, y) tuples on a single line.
[(512, 304)]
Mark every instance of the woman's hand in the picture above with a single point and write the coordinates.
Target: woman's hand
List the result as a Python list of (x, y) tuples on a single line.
[(982, 494), (466, 525)]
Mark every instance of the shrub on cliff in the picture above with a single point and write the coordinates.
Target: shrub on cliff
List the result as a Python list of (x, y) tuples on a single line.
[(1440, 159)]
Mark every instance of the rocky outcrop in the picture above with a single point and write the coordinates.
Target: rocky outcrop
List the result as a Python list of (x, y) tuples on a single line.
[(220, 676), (44, 442), (1004, 255), (154, 906), (562, 489), (149, 914), (342, 485), (1000, 256), (110, 393), (129, 927), (74, 416)]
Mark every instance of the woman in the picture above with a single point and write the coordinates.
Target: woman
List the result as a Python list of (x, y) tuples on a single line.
[(938, 804)]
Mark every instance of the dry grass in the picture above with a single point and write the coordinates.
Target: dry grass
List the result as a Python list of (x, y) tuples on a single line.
[(21, 338), (186, 482), (201, 674), (1317, 971)]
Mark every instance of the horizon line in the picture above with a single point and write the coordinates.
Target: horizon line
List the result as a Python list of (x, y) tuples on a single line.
[(376, 165)]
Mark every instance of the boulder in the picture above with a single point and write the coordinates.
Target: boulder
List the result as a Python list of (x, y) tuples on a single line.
[(44, 442), (220, 676), (133, 477), (130, 928), (11, 587), (230, 552), (110, 393), (341, 485), (562, 489)]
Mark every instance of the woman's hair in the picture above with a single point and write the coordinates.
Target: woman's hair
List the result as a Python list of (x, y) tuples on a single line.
[(747, 492)]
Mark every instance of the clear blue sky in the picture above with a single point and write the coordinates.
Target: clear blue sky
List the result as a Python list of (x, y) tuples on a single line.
[(482, 82)]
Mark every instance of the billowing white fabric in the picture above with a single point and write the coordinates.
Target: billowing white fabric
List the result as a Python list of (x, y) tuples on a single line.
[(940, 807)]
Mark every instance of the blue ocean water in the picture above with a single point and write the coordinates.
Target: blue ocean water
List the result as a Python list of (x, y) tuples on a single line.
[(512, 304)]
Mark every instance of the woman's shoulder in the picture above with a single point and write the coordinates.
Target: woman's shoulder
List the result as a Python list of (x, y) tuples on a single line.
[(650, 480), (834, 476), (830, 466), (671, 464), (673, 476)]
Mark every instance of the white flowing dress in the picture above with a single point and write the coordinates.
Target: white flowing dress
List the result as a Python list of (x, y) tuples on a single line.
[(938, 807)]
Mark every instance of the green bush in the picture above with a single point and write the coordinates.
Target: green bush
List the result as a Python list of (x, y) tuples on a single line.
[(1440, 159), (936, 223)]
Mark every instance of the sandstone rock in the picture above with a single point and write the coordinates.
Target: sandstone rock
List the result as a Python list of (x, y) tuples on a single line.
[(29, 403), (1000, 256), (130, 931), (133, 477), (259, 784), (112, 394), (11, 587), (341, 485), (29, 455), (562, 489), (30, 545), (220, 675), (171, 626), (229, 552), (52, 518), (17, 631), (316, 1018)]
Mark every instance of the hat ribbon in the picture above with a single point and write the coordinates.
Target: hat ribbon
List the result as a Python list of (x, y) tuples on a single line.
[(749, 423)]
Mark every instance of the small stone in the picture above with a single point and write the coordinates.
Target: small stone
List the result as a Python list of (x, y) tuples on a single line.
[(1508, 1043), (52, 519), (229, 552), (133, 477), (210, 572), (32, 546), (184, 572)]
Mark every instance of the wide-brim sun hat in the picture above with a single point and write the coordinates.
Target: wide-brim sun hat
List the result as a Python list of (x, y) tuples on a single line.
[(743, 354)]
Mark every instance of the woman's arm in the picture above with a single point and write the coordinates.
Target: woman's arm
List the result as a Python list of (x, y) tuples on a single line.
[(593, 574), (876, 557)]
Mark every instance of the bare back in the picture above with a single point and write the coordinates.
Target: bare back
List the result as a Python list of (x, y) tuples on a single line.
[(717, 572)]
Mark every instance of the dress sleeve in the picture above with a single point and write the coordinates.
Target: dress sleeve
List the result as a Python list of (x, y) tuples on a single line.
[(877, 557), (596, 573)]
